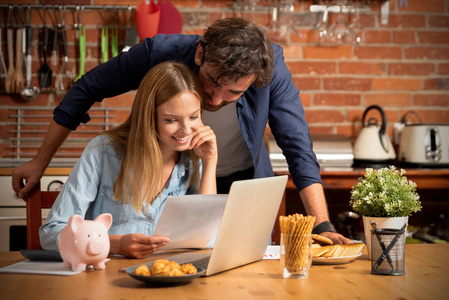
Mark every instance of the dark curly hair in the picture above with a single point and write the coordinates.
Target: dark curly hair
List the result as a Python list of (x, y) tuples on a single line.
[(238, 48)]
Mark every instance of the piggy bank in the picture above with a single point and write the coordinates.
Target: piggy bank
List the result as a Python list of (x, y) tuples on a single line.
[(83, 242)]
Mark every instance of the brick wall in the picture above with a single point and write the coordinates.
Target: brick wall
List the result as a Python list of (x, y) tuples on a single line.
[(401, 66)]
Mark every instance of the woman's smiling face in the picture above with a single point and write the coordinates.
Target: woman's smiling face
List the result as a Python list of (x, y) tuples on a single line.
[(177, 119)]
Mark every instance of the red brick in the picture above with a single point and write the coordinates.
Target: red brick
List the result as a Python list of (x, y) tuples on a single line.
[(124, 100), (318, 129), (424, 6), (373, 52), (405, 21), (348, 130), (324, 116), (426, 53), (433, 116), (304, 36), (194, 31), (436, 84), (334, 17), (16, 100), (276, 38), (307, 83), (388, 100), (120, 115), (4, 115), (334, 99), (327, 52), (109, 2), (261, 19), (306, 99), (347, 84), (377, 37), (396, 84), (438, 37), (432, 100), (362, 68), (312, 68), (441, 21), (413, 69), (355, 116), (367, 20), (404, 37), (292, 51), (375, 6), (443, 69), (185, 3)]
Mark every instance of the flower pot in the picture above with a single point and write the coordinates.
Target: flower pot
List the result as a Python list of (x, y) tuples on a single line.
[(392, 223)]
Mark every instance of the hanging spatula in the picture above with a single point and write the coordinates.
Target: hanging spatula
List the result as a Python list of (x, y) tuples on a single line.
[(131, 36)]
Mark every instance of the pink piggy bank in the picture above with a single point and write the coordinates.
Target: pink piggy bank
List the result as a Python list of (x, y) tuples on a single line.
[(83, 243)]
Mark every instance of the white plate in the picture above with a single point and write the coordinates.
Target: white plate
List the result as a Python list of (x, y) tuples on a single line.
[(334, 260)]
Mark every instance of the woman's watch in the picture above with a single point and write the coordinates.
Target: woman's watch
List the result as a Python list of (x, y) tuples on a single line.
[(325, 226)]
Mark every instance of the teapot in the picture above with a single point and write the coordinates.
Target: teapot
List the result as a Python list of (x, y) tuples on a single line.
[(373, 147)]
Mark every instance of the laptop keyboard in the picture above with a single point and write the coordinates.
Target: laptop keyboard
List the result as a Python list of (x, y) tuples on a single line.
[(201, 263)]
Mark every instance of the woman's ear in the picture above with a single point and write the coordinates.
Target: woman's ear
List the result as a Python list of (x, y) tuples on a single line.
[(199, 55)]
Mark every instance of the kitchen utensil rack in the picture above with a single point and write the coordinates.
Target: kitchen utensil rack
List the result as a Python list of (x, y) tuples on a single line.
[(69, 6)]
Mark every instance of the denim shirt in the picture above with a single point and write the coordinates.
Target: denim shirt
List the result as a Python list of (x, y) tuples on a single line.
[(89, 192)]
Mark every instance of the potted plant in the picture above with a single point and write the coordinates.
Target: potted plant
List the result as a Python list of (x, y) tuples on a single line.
[(385, 196)]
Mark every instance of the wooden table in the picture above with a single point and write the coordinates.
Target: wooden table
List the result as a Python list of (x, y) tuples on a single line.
[(427, 274)]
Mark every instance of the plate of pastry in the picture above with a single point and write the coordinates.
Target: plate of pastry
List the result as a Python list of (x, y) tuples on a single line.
[(334, 260), (165, 272), (326, 253)]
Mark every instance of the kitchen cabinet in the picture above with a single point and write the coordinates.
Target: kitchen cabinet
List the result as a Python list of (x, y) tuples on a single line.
[(345, 179), (432, 186)]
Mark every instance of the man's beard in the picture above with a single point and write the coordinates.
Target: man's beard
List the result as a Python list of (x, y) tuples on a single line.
[(209, 107)]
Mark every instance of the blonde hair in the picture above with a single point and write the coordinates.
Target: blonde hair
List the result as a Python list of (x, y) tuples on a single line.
[(136, 140)]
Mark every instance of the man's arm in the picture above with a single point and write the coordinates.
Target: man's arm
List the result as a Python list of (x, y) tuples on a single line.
[(33, 170), (315, 204)]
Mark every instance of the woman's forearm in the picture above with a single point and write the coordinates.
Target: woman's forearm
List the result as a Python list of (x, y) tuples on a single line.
[(208, 182)]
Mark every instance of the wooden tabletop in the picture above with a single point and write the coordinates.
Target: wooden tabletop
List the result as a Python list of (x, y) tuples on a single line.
[(427, 274)]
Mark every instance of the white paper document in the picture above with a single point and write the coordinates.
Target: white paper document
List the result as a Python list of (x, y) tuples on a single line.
[(191, 221), (39, 267), (42, 267), (272, 252)]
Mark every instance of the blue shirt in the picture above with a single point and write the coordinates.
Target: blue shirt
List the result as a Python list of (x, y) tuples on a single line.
[(89, 192), (277, 102)]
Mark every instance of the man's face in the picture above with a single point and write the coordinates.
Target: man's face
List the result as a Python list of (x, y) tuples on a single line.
[(218, 94)]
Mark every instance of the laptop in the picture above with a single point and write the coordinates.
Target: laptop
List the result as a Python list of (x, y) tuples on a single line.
[(245, 228)]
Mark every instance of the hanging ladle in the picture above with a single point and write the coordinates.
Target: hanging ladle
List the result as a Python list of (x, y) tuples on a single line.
[(29, 92)]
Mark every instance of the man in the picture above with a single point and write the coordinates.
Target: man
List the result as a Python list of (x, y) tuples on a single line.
[(245, 83)]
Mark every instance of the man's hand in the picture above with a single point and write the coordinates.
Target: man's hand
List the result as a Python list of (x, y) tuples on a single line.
[(32, 172), (337, 238), (137, 245)]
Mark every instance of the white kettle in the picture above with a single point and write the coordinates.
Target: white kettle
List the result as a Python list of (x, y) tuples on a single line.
[(373, 147)]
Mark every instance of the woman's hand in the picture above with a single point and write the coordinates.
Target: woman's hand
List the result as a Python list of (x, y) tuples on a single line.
[(136, 245), (204, 144)]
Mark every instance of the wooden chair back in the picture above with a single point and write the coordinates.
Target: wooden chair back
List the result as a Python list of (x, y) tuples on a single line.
[(37, 201)]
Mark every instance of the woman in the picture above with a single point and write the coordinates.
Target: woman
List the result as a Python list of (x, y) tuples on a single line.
[(130, 171)]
